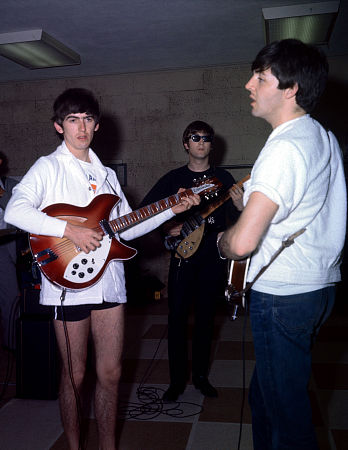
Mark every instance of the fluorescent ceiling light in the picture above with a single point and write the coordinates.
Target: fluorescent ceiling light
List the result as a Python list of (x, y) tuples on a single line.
[(312, 23), (36, 49)]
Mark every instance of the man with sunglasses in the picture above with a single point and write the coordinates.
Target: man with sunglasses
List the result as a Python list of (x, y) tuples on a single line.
[(199, 278)]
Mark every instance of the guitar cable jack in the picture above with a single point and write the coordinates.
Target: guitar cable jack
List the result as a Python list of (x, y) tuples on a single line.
[(234, 313)]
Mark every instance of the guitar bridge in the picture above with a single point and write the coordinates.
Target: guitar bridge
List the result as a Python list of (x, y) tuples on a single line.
[(48, 256)]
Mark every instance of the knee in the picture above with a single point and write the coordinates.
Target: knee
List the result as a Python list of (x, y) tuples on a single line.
[(77, 374), (109, 376)]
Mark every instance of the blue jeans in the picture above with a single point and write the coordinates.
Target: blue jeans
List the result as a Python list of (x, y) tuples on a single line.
[(284, 329)]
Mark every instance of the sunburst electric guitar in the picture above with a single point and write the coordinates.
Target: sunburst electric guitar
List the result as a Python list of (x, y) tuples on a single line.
[(65, 265)]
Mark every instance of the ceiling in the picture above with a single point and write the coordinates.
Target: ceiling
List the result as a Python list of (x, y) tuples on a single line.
[(114, 36)]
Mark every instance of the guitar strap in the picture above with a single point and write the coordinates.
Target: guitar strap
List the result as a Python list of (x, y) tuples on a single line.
[(287, 243), (112, 188)]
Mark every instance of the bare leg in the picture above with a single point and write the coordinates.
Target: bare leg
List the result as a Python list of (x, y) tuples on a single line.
[(108, 329), (78, 337)]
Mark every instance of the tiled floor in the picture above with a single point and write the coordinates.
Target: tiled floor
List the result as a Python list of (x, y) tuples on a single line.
[(193, 423)]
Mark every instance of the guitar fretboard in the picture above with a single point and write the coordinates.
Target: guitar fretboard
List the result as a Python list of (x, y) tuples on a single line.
[(226, 196), (134, 217)]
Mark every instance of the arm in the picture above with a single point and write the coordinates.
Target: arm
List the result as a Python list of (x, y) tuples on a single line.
[(150, 224), (242, 239)]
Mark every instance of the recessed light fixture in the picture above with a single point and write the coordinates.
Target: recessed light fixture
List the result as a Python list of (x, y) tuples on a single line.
[(312, 23), (36, 49)]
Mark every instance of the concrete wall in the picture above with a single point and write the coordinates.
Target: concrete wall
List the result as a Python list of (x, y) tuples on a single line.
[(144, 115)]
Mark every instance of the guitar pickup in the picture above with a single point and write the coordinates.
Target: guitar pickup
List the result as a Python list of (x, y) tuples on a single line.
[(191, 225), (106, 228), (48, 253)]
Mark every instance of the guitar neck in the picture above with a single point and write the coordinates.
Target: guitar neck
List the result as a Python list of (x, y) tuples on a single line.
[(214, 205), (226, 196), (144, 213)]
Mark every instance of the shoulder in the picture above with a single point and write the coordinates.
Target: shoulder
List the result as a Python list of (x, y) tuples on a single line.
[(47, 162), (45, 168)]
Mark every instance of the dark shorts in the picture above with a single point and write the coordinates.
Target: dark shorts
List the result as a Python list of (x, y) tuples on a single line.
[(80, 312)]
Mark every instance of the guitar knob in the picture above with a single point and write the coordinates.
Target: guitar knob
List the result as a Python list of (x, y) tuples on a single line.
[(81, 274)]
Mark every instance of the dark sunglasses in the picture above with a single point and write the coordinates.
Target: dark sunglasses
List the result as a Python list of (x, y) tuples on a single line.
[(198, 137)]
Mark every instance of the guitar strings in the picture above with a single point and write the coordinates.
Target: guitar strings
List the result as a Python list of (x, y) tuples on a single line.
[(66, 245)]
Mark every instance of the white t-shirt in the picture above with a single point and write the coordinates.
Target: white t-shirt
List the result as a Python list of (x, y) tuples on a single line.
[(90, 174), (300, 169)]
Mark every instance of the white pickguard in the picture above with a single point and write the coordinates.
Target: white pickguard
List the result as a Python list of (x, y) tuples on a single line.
[(84, 267)]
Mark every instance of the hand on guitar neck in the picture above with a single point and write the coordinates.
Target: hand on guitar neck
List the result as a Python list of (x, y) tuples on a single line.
[(236, 193), (186, 202)]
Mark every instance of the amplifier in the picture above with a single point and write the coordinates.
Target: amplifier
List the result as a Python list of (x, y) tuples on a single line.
[(36, 376), (30, 306)]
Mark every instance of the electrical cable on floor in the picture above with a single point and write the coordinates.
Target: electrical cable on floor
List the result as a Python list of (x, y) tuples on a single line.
[(151, 405), (71, 375)]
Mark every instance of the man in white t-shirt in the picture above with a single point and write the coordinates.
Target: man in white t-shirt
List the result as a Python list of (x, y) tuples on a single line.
[(73, 174), (297, 183)]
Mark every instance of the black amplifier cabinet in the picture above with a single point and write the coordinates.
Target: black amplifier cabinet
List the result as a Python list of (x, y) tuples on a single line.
[(30, 306), (37, 374)]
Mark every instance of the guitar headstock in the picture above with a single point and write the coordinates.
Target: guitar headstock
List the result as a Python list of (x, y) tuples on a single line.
[(206, 186)]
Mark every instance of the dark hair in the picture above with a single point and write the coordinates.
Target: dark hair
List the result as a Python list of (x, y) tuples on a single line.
[(194, 127), (291, 61), (75, 100)]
